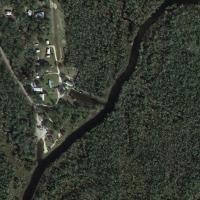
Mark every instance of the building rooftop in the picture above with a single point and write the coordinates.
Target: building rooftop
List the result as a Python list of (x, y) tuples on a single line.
[(37, 89), (8, 12), (37, 50), (48, 52), (50, 83), (29, 13), (69, 83), (39, 14)]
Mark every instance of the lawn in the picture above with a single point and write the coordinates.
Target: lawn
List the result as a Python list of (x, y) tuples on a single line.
[(69, 71), (51, 96), (58, 31), (42, 54)]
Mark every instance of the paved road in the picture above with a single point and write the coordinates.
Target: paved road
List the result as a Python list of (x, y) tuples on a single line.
[(7, 64)]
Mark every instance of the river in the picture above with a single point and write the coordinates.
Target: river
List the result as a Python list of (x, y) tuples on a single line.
[(109, 106)]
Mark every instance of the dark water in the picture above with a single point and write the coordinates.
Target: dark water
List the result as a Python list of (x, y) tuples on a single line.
[(40, 149), (84, 99), (109, 106)]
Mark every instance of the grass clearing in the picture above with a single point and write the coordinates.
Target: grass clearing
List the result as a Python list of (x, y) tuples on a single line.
[(58, 31), (49, 82), (69, 71)]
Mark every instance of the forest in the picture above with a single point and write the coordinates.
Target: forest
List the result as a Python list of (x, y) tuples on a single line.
[(99, 36), (148, 147), (21, 32), (17, 145), (66, 116), (16, 118)]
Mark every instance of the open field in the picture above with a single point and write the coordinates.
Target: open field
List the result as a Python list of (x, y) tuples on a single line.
[(49, 82), (57, 27)]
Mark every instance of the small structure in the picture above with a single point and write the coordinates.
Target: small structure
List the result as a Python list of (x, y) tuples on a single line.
[(42, 96), (69, 83), (50, 83), (69, 78), (47, 42), (37, 50), (33, 85), (48, 52), (35, 88), (8, 12), (29, 13), (39, 14)]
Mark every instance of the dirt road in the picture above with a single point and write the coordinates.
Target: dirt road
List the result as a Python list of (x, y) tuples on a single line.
[(57, 27), (7, 64)]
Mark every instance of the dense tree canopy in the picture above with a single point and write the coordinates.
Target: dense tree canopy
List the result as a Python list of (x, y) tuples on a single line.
[(16, 117), (99, 36), (148, 148), (17, 35), (17, 144)]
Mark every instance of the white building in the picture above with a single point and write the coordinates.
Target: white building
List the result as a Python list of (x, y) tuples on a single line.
[(33, 85), (69, 83), (42, 96), (50, 83), (39, 14), (29, 13), (48, 52), (47, 42), (37, 89), (8, 12), (37, 50)]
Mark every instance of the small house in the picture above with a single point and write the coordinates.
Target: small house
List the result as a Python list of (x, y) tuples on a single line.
[(37, 50), (8, 12), (42, 96), (50, 83), (33, 85), (37, 89), (69, 83), (29, 13), (39, 14), (47, 42), (48, 52)]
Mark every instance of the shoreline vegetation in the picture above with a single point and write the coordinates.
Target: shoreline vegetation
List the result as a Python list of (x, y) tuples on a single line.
[(109, 106), (115, 99)]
